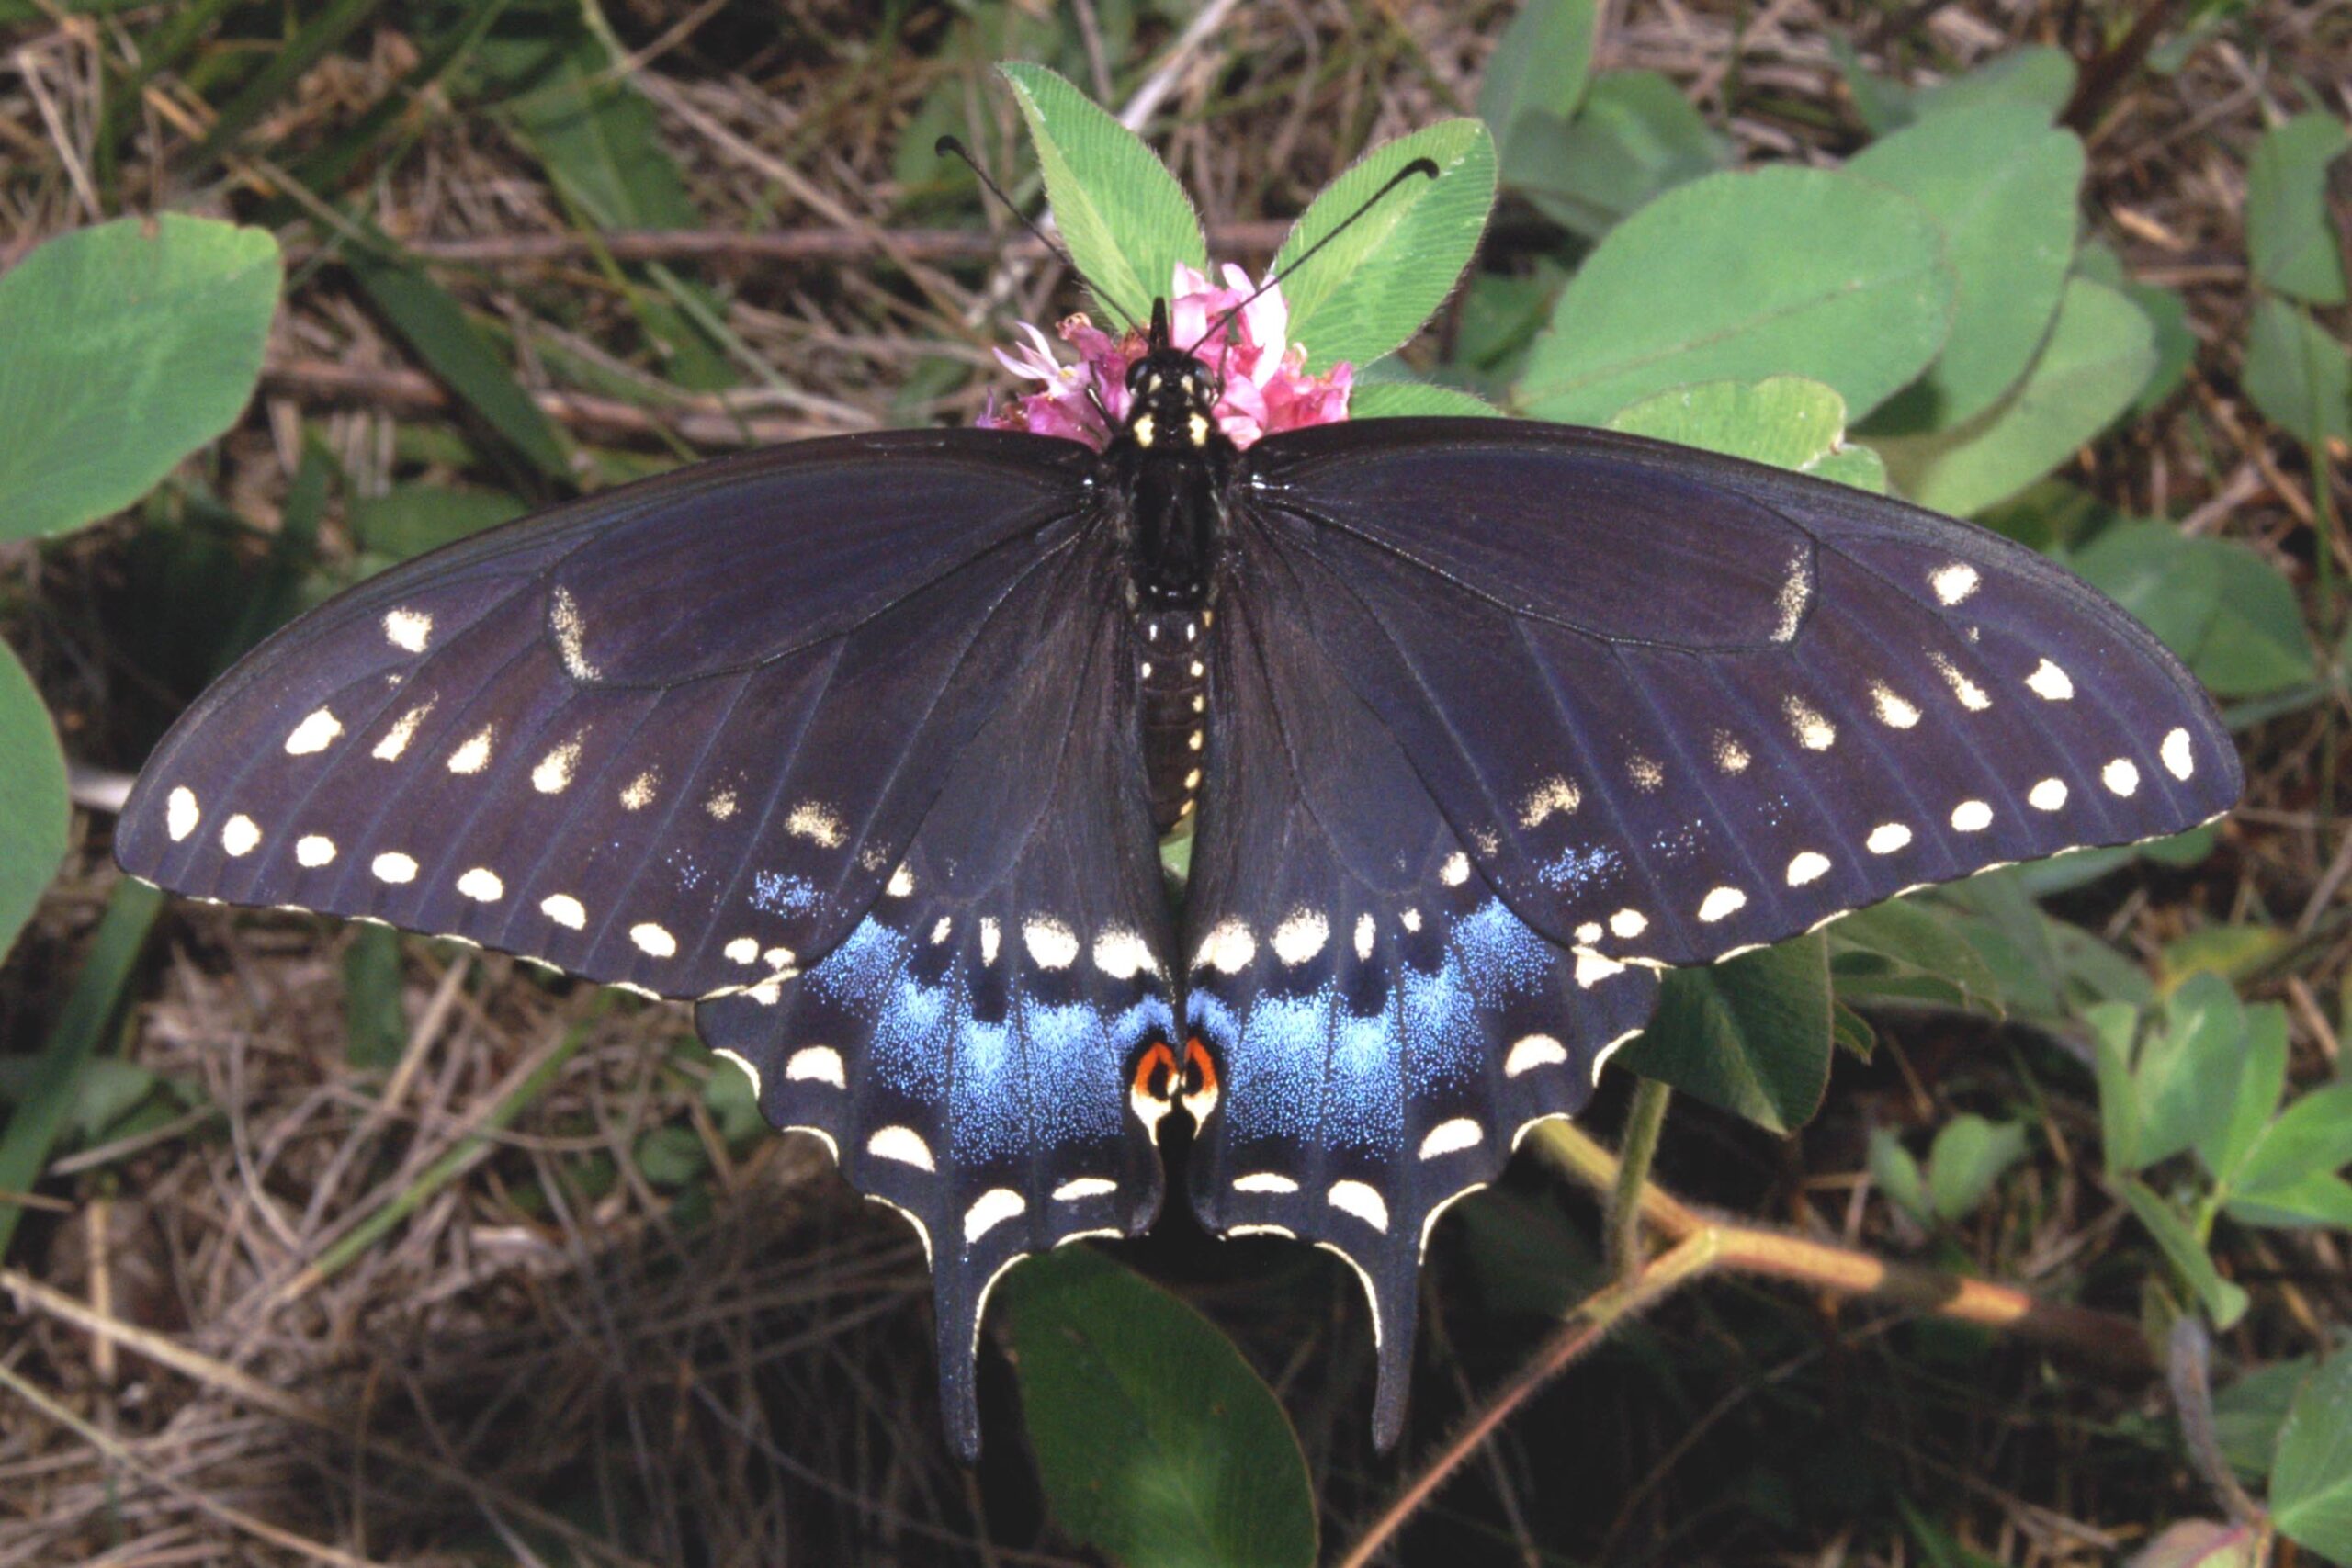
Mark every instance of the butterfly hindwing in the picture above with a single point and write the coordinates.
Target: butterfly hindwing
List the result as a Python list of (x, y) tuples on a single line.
[(635, 738), (1679, 705), (966, 1050), (1384, 1026)]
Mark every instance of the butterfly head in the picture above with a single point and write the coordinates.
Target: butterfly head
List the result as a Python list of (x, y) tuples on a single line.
[(1172, 396)]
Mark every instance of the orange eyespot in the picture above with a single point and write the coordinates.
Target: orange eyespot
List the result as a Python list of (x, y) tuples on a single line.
[(1156, 1074), (1200, 1069)]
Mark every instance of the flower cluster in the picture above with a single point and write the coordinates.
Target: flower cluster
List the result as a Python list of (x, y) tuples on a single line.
[(1264, 380)]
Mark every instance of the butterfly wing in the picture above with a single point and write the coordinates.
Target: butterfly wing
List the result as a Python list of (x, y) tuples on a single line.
[(967, 1049), (1385, 1026), (1678, 704), (674, 736)]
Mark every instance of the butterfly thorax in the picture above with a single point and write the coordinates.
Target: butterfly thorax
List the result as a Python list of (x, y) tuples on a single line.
[(1169, 469)]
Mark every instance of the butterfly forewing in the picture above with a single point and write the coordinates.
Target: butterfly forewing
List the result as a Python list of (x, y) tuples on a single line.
[(536, 742), (968, 1050), (1384, 1024), (1732, 755)]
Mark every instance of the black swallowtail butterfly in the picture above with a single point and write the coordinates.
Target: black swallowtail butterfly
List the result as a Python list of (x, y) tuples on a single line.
[(865, 747)]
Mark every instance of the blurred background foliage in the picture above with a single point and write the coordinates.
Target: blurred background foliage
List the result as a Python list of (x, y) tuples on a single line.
[(405, 1253)]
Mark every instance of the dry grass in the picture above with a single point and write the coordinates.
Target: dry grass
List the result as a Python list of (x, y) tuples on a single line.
[(545, 1360)]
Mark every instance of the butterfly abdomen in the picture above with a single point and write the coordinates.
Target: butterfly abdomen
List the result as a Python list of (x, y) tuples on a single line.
[(1173, 670)]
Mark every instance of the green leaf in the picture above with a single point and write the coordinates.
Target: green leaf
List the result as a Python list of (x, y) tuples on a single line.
[(1540, 64), (1969, 1156), (408, 520), (2040, 76), (2235, 952), (35, 814), (1785, 421), (2114, 1026), (2003, 184), (1157, 1444), (73, 1041), (1126, 220), (1635, 137), (1404, 399), (1898, 1176), (2187, 1071), (1782, 271), (2324, 1201), (129, 346), (2297, 374), (599, 138), (1370, 289), (2229, 615), (2310, 1479), (2249, 1412), (1916, 944), (1751, 1034), (431, 322), (2223, 1302), (1858, 468), (2176, 343), (375, 1024), (2225, 1142), (2289, 234), (2311, 1137), (2099, 353)]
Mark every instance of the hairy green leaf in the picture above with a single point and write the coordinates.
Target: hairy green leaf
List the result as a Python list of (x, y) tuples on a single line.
[(1782, 271), (129, 346), (1126, 220), (1369, 290)]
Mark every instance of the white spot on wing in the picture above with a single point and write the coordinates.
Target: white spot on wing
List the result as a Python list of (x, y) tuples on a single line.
[(991, 1208), (721, 805), (570, 634), (1361, 1199), (1646, 774), (1807, 865), (1367, 929), (1814, 733), (474, 755), (639, 793), (564, 911), (553, 774), (1730, 755), (1530, 1052), (1629, 923), (901, 883), (1972, 817), (1273, 1181), (404, 730), (817, 1064), (1954, 582), (743, 950), (408, 630), (1592, 969), (394, 866), (2050, 683), (1228, 948), (1452, 1137), (1051, 944), (1554, 796), (1795, 596), (1082, 1187), (2178, 759), (1887, 838), (239, 835), (1972, 695), (482, 885), (654, 941), (1892, 710), (2121, 776), (1721, 903), (315, 850), (990, 937), (901, 1143), (314, 734), (1456, 870), (2047, 795), (180, 813), (1301, 937), (816, 822)]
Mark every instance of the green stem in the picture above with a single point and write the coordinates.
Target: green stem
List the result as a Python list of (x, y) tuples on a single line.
[(1642, 1125)]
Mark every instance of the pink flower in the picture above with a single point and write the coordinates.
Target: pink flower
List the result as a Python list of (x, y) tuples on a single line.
[(1264, 380)]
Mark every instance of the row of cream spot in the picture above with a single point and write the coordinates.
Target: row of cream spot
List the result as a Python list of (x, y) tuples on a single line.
[(904, 1146)]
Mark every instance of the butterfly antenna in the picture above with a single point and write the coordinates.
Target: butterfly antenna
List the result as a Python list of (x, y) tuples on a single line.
[(1424, 167), (950, 146)]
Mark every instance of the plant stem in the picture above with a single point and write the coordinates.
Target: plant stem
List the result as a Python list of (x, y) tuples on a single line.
[(1640, 1146)]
